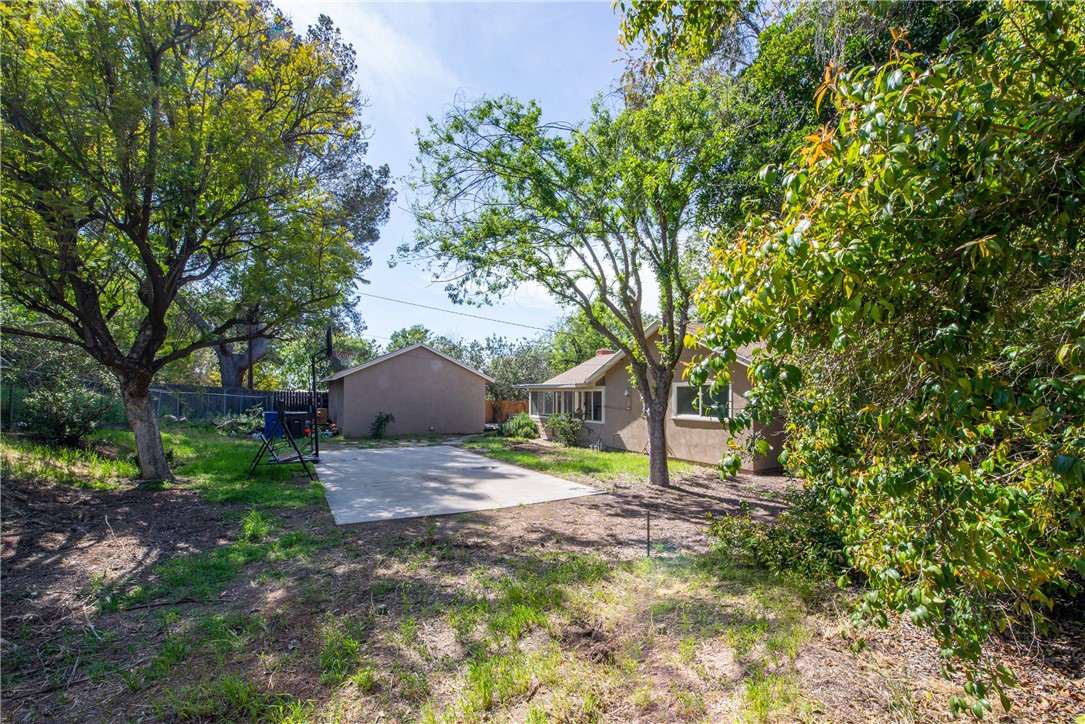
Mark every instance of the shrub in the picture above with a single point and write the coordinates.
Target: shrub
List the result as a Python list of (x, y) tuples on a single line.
[(66, 414), (800, 540), (566, 428), (521, 426), (380, 424)]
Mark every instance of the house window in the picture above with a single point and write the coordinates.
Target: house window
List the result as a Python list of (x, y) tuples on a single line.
[(587, 404), (700, 402), (590, 405)]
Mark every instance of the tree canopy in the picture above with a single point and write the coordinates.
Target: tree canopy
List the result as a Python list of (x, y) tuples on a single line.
[(160, 151), (600, 215), (922, 305)]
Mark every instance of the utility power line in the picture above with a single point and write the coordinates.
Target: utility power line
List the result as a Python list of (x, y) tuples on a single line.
[(449, 311)]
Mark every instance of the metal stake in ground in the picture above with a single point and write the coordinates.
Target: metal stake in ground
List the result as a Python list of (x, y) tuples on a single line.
[(648, 537)]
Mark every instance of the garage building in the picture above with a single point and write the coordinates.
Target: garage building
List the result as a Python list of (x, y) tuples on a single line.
[(426, 391)]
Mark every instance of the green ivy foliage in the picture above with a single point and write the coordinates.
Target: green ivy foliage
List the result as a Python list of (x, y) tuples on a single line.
[(921, 302)]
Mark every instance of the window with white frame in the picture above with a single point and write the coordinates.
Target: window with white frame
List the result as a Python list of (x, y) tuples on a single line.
[(586, 404), (590, 405), (700, 402)]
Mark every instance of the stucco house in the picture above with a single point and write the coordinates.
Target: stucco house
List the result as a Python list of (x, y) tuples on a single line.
[(427, 392), (600, 390)]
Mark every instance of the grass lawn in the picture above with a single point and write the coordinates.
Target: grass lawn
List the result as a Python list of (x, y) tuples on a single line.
[(582, 464), (222, 598)]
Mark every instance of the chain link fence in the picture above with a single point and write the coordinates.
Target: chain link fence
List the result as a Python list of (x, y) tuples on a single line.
[(178, 402)]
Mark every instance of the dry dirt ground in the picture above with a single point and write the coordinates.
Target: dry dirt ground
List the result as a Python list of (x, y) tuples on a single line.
[(404, 592)]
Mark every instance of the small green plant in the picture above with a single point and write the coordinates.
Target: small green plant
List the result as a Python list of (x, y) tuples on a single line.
[(565, 427), (255, 527), (690, 704), (768, 694), (380, 424), (366, 680), (521, 426)]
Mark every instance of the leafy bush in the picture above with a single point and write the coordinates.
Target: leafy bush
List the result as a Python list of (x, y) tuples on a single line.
[(924, 325), (65, 414), (380, 424), (565, 427), (521, 426), (800, 540)]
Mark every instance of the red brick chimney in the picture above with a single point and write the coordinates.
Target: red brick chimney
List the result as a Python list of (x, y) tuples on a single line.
[(603, 352)]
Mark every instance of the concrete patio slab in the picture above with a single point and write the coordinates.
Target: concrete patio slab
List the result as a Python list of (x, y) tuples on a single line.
[(389, 483)]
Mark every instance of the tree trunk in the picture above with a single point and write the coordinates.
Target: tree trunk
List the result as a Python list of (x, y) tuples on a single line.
[(233, 366), (656, 416), (144, 423)]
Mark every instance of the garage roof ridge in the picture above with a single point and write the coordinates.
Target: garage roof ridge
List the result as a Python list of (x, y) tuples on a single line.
[(385, 357)]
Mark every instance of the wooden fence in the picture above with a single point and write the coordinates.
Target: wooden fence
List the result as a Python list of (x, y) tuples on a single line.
[(497, 411)]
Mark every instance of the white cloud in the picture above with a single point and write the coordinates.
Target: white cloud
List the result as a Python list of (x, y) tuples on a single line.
[(398, 67)]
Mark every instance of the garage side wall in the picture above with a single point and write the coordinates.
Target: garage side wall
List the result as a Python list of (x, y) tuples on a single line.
[(335, 401), (426, 393)]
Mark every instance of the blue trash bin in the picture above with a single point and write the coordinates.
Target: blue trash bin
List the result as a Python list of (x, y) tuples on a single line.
[(271, 426)]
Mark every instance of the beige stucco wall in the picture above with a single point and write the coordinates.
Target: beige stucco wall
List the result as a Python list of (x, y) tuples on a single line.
[(700, 441), (425, 392)]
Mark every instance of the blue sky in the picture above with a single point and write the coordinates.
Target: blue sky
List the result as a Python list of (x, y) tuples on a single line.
[(413, 58)]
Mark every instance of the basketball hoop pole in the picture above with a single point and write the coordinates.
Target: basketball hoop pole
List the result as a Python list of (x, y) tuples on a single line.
[(314, 424)]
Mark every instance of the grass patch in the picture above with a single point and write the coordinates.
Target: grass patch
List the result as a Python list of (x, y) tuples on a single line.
[(532, 590), (425, 628), (216, 466), (574, 462), (342, 647), (255, 527), (231, 698), (201, 576), (768, 695), (80, 467)]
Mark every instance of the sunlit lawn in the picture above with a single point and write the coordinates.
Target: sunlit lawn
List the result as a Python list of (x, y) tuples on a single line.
[(436, 632), (575, 462)]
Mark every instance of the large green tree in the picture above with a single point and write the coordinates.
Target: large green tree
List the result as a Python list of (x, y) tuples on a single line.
[(921, 299), (155, 151), (573, 340), (777, 54), (597, 214)]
